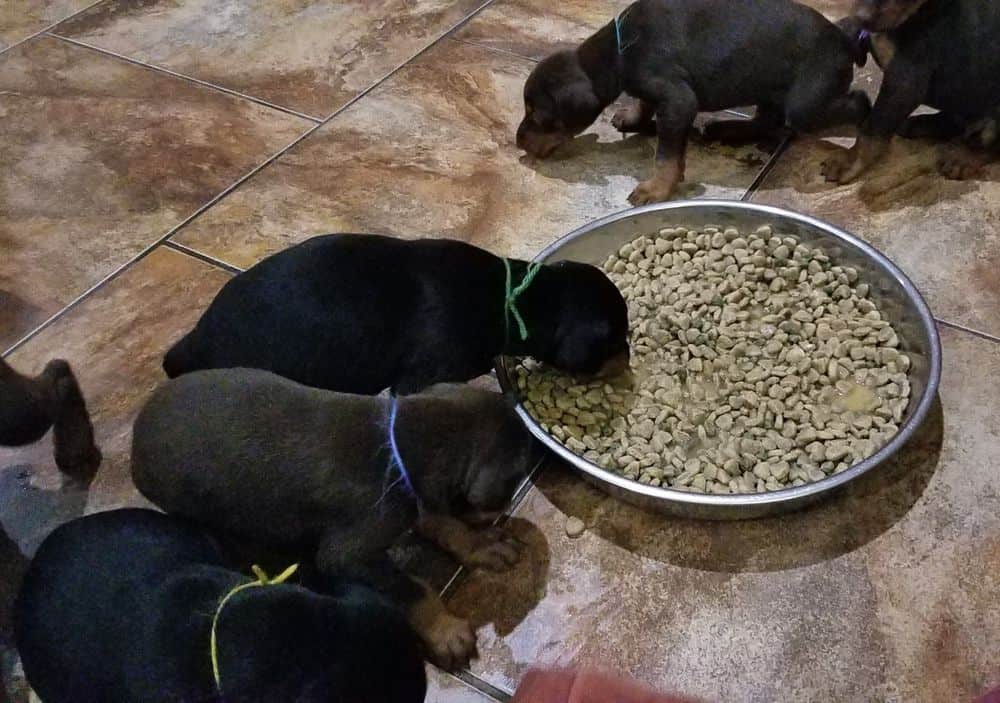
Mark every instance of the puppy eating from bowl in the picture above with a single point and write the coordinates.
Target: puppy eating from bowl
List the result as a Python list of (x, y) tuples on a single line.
[(682, 57), (335, 479), (360, 313), (941, 53)]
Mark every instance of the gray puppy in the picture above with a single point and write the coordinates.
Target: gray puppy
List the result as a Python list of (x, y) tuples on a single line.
[(272, 465)]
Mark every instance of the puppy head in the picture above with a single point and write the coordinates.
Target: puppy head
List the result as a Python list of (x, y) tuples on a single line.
[(559, 103), (885, 15), (352, 645), (591, 334), (496, 448)]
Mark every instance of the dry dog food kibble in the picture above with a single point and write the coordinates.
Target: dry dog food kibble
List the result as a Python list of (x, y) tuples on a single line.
[(757, 364)]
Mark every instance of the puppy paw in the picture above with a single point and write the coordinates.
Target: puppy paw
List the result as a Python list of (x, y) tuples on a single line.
[(651, 191), (842, 167), (627, 119), (80, 464), (452, 642), (495, 550), (960, 164)]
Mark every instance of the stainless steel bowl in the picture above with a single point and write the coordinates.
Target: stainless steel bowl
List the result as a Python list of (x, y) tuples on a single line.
[(891, 290)]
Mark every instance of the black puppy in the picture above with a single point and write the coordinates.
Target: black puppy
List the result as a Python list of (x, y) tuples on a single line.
[(118, 607), (336, 479), (941, 53), (680, 57), (361, 313), (30, 406)]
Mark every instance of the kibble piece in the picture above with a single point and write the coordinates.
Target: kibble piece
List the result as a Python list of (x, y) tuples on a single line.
[(574, 526)]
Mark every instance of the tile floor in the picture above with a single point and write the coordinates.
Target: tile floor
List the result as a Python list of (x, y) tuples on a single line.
[(149, 148)]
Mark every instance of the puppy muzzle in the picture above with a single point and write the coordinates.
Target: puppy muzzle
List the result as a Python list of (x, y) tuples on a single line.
[(615, 366)]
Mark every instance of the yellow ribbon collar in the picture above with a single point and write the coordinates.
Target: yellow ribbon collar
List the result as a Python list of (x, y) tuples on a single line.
[(262, 580)]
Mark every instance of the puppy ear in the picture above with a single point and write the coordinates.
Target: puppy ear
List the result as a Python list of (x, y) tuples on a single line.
[(578, 102)]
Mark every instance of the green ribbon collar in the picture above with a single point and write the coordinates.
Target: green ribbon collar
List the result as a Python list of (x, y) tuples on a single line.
[(511, 295)]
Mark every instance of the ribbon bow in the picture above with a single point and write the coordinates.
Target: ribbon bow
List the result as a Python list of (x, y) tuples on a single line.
[(511, 295), (262, 580)]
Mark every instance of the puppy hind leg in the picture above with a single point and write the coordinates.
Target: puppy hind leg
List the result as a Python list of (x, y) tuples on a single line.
[(958, 162), (767, 120), (814, 104), (939, 125)]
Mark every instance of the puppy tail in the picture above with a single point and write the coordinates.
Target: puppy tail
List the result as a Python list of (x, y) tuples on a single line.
[(181, 358)]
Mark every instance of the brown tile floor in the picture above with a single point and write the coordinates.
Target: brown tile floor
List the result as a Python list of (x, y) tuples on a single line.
[(20, 19), (100, 159), (306, 55), (887, 593)]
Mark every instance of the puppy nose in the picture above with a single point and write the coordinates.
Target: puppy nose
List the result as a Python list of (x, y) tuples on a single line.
[(520, 137), (615, 366)]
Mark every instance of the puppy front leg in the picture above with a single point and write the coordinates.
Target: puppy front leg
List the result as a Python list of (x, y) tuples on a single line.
[(450, 640), (491, 548), (676, 110), (902, 92)]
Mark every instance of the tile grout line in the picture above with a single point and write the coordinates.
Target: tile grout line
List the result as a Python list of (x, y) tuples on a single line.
[(202, 257), (49, 27), (444, 35), (766, 169), (183, 77), (161, 239), (968, 330), (503, 52), (230, 188), (480, 685)]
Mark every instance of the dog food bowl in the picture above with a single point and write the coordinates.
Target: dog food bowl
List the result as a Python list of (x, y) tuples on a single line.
[(896, 297)]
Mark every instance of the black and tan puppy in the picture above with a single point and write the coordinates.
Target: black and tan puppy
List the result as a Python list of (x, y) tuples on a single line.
[(118, 607), (267, 462), (941, 53), (30, 406), (682, 57), (361, 313)]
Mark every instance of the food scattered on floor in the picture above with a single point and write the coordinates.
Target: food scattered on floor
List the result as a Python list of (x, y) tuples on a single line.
[(757, 364), (574, 527)]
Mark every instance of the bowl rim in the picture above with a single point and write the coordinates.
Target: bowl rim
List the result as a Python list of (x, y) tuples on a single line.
[(795, 494)]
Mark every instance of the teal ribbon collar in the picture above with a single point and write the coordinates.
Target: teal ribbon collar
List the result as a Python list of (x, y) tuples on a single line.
[(511, 295)]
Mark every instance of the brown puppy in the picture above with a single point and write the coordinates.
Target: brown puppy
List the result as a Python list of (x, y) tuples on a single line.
[(681, 57), (30, 406), (275, 467), (940, 53)]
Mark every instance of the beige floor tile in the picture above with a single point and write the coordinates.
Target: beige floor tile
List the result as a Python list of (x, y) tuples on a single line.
[(307, 55), (881, 593), (431, 153), (537, 28), (100, 158), (19, 19)]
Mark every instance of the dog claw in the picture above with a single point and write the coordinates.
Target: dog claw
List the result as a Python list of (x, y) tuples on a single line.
[(959, 167), (650, 192), (841, 168)]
